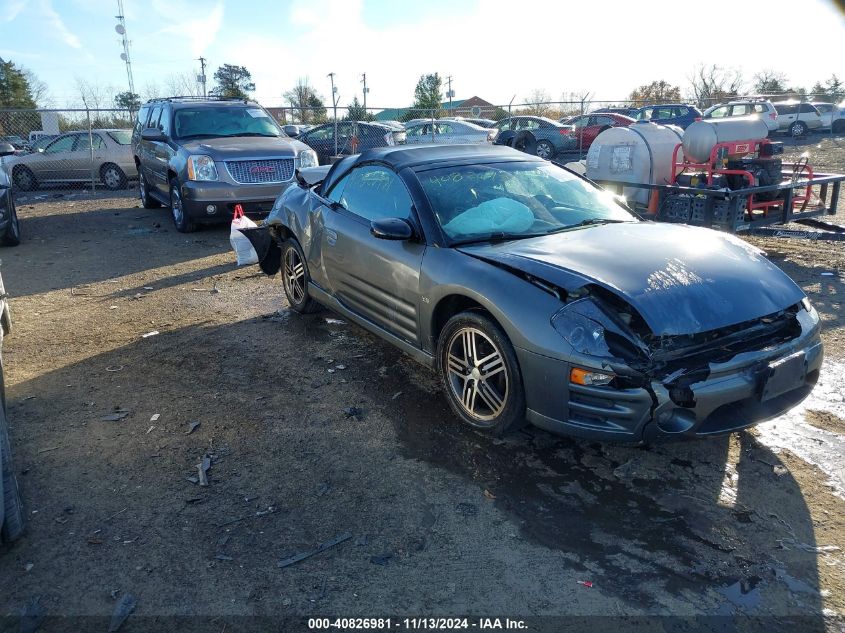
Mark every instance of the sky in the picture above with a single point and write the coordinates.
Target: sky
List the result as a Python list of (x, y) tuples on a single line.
[(496, 49)]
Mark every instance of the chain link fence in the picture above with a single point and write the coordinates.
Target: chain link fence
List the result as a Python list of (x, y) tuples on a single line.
[(58, 152), (85, 152)]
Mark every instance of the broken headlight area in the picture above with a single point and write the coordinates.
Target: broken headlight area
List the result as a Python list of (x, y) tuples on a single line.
[(591, 328)]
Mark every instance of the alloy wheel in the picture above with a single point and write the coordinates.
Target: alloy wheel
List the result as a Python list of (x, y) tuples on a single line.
[(142, 188), (544, 151), (294, 276), (477, 374), (111, 178), (176, 205)]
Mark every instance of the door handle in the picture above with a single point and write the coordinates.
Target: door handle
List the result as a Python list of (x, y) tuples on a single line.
[(331, 237)]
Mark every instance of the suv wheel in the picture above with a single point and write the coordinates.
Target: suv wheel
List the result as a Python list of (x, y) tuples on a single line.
[(799, 128), (12, 235), (183, 223), (147, 201), (13, 522)]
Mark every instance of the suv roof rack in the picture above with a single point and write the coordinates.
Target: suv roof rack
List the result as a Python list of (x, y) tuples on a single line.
[(195, 98)]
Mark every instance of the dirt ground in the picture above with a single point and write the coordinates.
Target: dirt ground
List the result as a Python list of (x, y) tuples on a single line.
[(440, 520)]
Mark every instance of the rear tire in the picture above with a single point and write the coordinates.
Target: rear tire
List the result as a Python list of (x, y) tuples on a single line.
[(799, 128), (480, 374), (12, 234), (13, 522), (24, 179), (295, 279), (545, 150), (112, 177), (839, 126), (183, 223), (147, 201)]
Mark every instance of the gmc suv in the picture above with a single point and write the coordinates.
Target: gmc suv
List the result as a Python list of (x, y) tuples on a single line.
[(203, 156)]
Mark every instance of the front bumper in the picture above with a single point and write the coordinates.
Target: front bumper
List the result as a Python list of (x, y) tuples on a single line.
[(728, 400), (256, 200)]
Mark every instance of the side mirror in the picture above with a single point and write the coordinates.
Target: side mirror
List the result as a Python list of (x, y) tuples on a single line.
[(391, 229), (153, 134), (6, 149)]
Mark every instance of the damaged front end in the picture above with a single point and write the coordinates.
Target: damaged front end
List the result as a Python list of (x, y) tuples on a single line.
[(628, 381)]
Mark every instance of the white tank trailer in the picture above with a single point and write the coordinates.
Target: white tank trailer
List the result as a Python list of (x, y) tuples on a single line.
[(640, 153)]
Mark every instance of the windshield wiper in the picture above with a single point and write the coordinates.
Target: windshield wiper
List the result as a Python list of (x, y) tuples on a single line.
[(495, 238), (589, 222), (251, 134)]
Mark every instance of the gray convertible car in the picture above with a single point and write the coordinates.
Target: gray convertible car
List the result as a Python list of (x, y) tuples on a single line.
[(537, 296)]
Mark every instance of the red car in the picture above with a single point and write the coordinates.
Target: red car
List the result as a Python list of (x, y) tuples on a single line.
[(586, 127)]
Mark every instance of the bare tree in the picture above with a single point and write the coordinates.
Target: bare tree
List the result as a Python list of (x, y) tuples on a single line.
[(94, 96), (537, 102), (306, 105), (151, 90), (38, 89), (712, 84), (182, 84)]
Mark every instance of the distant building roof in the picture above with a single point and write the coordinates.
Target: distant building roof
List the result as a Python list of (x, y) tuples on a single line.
[(397, 114)]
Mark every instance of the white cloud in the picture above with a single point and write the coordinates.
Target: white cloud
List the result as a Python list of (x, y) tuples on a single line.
[(56, 24), (11, 9), (200, 32)]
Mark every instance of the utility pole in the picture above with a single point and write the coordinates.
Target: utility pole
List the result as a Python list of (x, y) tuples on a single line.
[(334, 109), (201, 78), (120, 28), (366, 90), (450, 93)]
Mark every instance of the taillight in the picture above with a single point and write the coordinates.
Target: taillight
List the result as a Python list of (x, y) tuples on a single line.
[(773, 115), (491, 135), (388, 138), (565, 131)]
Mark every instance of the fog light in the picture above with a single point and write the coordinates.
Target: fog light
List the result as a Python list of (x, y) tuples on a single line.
[(211, 209), (588, 377)]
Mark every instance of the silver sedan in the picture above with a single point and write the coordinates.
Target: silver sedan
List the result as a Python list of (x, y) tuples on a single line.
[(103, 155), (450, 132)]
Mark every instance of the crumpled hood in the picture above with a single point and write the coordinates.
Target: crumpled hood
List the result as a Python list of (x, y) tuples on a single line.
[(681, 279), (244, 147)]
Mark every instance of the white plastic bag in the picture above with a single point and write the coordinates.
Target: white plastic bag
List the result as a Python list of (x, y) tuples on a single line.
[(240, 243)]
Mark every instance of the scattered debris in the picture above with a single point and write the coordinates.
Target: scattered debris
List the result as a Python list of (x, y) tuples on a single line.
[(149, 334), (396, 395), (223, 557), (121, 612), (32, 616), (30, 398), (322, 547), (828, 274), (154, 417), (489, 495), (780, 470), (586, 583), (115, 368), (115, 417), (202, 469), (137, 295), (28, 566), (323, 488), (340, 367), (354, 412), (335, 321), (193, 480), (115, 514), (47, 450), (112, 307), (813, 549), (114, 593), (381, 559), (192, 426), (148, 288)]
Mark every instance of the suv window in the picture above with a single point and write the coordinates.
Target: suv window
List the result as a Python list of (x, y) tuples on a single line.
[(374, 192), (680, 111), (760, 108), (164, 120), (223, 120), (154, 115), (605, 120), (141, 119), (786, 109), (741, 109), (807, 108), (720, 112)]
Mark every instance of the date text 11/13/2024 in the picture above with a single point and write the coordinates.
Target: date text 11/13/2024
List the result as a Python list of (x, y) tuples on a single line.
[(430, 624)]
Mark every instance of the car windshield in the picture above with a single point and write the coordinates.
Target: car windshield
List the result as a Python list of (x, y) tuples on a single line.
[(223, 121), (515, 200), (121, 137)]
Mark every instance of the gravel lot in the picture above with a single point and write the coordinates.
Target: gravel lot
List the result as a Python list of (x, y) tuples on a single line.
[(443, 521)]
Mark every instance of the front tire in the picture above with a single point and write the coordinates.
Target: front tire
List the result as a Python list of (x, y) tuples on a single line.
[(183, 223), (480, 373), (12, 234), (545, 150), (295, 279)]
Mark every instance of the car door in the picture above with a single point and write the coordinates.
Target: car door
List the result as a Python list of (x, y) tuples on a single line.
[(163, 152), (374, 278), (787, 115), (446, 133), (49, 164), (87, 155), (321, 140)]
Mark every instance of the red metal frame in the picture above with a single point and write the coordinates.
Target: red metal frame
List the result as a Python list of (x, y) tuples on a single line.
[(741, 148)]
